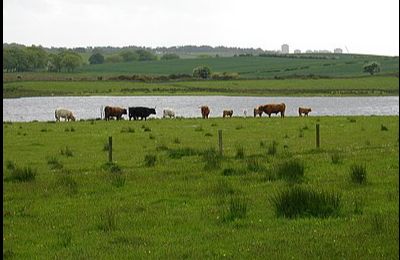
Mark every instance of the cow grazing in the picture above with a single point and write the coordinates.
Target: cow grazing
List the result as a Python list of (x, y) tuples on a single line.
[(257, 111), (304, 110), (205, 111), (274, 109), (226, 113), (64, 113), (142, 112), (168, 112), (111, 112)]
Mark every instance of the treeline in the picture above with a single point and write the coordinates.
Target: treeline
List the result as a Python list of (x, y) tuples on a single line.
[(17, 58)]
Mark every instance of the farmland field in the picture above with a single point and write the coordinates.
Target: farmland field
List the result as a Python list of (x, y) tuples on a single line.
[(362, 86), (165, 197)]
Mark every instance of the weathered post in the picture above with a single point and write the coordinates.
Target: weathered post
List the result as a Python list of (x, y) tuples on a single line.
[(110, 149), (317, 135), (220, 141)]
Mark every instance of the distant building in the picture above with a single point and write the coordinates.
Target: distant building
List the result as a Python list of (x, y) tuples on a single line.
[(285, 49), (338, 50), (309, 51), (297, 51)]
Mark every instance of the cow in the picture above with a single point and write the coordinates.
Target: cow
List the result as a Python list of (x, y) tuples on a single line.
[(205, 111), (274, 109), (110, 112), (168, 112), (257, 111), (63, 113), (304, 110), (226, 113), (142, 112)]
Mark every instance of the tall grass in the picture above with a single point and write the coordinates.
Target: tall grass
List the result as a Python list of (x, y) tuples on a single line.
[(150, 160), (54, 163), (291, 170), (108, 220), (212, 159), (24, 174), (299, 201), (358, 173), (236, 208)]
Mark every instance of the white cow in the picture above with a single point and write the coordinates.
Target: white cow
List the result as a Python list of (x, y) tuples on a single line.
[(64, 113), (168, 112)]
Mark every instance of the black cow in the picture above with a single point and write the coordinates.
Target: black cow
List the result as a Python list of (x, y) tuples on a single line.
[(142, 112)]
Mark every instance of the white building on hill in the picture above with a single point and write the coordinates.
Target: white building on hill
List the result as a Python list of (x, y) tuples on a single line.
[(285, 49)]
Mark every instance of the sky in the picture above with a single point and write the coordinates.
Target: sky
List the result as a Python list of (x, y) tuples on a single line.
[(356, 26)]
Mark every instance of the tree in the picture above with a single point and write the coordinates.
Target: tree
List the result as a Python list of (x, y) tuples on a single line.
[(54, 63), (96, 58), (70, 60), (37, 57), (145, 55), (203, 72), (129, 56), (372, 67)]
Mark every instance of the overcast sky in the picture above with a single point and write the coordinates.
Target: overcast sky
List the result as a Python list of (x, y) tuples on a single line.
[(363, 26)]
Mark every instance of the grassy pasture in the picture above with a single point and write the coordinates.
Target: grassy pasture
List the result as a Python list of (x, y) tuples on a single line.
[(166, 197), (362, 86)]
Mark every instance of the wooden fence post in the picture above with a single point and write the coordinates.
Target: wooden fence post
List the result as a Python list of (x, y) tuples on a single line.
[(317, 135), (220, 141), (110, 149)]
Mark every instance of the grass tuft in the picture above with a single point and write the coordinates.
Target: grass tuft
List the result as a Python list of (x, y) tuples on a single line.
[(150, 160), (127, 130), (254, 164), (336, 158), (237, 208), (272, 148), (67, 184), (358, 173), (108, 220), (181, 152), (290, 170), (212, 159), (384, 128), (24, 174), (299, 201), (111, 167), (67, 152), (240, 152), (54, 164)]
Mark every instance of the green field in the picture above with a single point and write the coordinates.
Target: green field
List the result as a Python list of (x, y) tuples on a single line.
[(375, 86), (166, 197)]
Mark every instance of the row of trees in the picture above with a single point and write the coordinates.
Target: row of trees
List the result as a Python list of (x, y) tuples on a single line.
[(128, 55), (19, 59)]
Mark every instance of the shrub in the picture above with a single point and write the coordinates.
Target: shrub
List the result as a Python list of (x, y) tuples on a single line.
[(24, 174), (302, 202), (291, 170), (358, 173), (150, 160)]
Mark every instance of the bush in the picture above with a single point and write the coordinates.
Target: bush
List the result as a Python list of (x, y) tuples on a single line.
[(358, 173), (302, 202)]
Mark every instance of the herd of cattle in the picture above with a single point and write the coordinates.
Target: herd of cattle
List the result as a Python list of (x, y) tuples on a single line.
[(144, 112)]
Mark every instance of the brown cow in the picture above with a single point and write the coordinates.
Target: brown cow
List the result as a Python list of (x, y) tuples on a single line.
[(274, 108), (227, 113), (114, 111), (205, 111), (304, 110), (257, 111)]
